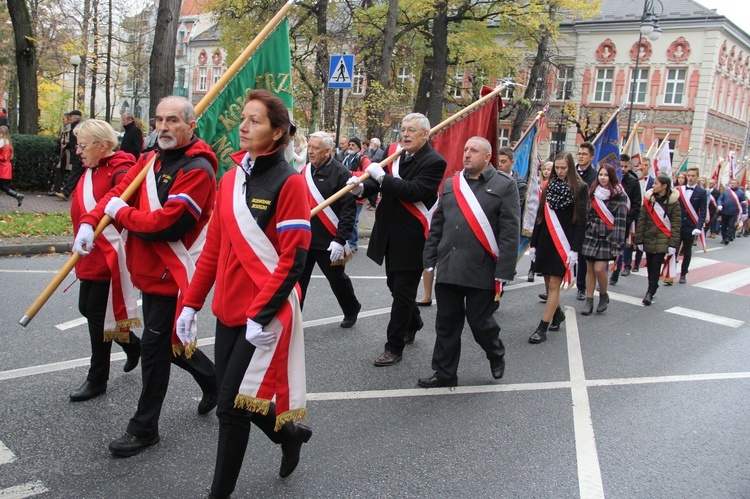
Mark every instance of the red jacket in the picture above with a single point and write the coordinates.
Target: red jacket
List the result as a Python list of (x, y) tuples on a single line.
[(6, 167), (182, 217), (282, 193), (104, 177)]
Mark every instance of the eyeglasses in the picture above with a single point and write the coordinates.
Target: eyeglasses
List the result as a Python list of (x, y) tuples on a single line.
[(82, 147)]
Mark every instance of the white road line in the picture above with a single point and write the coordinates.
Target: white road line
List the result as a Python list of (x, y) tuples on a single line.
[(698, 261), (589, 472), (715, 248), (705, 316), (80, 321), (25, 490), (21, 271), (625, 298), (727, 282), (332, 320), (6, 455)]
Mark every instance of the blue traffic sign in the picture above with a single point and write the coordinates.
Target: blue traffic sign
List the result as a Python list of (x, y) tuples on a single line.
[(341, 71)]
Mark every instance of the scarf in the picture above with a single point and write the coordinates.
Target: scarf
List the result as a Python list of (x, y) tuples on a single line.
[(559, 195), (602, 193)]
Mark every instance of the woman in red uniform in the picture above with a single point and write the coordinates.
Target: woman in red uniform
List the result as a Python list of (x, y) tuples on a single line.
[(254, 254), (107, 297), (6, 167)]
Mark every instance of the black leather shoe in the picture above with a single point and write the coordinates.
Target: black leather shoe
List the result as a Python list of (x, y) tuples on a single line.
[(543, 297), (387, 358), (207, 403), (291, 448), (424, 303), (87, 390), (557, 319), (682, 280), (129, 445), (540, 335), (530, 277), (409, 337), (625, 272), (648, 299), (352, 319), (581, 295), (612, 281), (435, 382), (133, 359), (497, 366)]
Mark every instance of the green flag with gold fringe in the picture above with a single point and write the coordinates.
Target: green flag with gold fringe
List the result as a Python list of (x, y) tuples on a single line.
[(270, 69)]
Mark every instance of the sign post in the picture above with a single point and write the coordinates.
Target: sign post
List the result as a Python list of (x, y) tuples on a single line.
[(340, 71)]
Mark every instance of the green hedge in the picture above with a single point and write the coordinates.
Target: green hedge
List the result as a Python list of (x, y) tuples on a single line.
[(33, 160)]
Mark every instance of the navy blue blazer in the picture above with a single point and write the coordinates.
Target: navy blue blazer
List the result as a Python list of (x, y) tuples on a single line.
[(699, 202)]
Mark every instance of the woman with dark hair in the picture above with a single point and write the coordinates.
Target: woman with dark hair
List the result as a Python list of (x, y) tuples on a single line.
[(605, 234), (658, 229), (558, 237), (255, 252)]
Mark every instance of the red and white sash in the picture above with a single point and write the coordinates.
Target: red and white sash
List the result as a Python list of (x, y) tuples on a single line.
[(327, 216), (669, 269), (692, 214), (601, 209), (658, 216), (176, 257), (561, 243), (122, 306), (418, 209), (280, 371), (736, 200)]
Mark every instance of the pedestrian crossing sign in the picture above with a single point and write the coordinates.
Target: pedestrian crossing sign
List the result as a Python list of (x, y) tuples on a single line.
[(340, 71)]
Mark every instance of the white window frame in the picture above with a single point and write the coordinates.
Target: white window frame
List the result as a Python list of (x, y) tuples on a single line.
[(670, 95), (603, 85), (503, 137), (217, 72), (539, 89), (358, 81), (404, 77), (202, 79), (565, 81), (458, 89), (640, 83)]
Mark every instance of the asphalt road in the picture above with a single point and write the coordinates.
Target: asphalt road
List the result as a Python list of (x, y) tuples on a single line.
[(637, 402)]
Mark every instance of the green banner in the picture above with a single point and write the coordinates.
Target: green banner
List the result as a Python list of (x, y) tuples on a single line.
[(269, 68), (683, 167)]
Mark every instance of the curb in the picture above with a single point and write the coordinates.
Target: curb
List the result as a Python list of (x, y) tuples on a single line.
[(40, 248)]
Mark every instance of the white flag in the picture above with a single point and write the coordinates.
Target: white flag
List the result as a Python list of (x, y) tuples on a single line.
[(662, 162)]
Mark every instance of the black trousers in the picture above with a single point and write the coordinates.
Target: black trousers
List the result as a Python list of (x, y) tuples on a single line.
[(581, 276), (233, 353), (92, 303), (686, 240), (654, 261), (404, 310), (728, 223), (156, 360), (75, 173), (340, 283), (453, 304)]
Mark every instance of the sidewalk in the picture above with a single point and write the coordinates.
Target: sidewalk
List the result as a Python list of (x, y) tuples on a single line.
[(41, 203)]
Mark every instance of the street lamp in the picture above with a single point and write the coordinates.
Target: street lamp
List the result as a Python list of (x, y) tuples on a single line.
[(75, 61), (649, 28)]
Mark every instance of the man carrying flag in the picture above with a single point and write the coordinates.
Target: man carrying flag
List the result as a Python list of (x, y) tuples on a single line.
[(731, 205), (693, 202), (482, 204)]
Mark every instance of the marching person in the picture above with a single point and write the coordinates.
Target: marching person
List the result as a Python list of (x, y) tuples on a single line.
[(713, 212), (255, 251), (605, 234), (634, 199), (693, 203), (658, 230), (110, 315), (587, 172), (6, 166), (69, 152), (558, 237), (731, 205), (132, 141), (482, 204), (60, 169), (332, 227), (165, 219), (409, 193)]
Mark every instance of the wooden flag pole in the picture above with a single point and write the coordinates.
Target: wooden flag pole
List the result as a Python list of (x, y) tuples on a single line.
[(650, 148), (630, 139), (606, 125), (47, 292), (434, 131)]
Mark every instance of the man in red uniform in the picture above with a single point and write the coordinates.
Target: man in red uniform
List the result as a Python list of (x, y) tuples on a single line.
[(166, 217)]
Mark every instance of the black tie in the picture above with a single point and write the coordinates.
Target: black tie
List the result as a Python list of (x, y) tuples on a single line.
[(689, 188)]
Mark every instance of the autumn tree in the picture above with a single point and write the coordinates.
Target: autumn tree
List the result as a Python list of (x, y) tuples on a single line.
[(26, 66), (162, 62)]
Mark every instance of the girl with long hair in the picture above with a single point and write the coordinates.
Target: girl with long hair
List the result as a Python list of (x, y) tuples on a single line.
[(6, 167)]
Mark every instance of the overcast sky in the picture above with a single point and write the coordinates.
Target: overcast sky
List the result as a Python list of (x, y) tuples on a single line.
[(737, 11)]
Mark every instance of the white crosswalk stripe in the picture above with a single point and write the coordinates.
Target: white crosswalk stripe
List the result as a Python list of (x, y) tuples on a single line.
[(18, 491)]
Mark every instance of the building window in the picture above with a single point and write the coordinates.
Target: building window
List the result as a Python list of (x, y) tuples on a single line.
[(671, 145), (403, 75), (507, 94), (458, 85), (675, 88), (216, 74), (202, 79), (603, 85), (180, 78), (539, 89), (358, 82), (564, 84), (639, 85), (503, 137)]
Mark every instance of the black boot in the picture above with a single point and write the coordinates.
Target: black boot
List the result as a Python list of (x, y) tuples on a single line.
[(540, 334), (648, 299), (603, 301), (19, 197), (588, 307), (557, 319)]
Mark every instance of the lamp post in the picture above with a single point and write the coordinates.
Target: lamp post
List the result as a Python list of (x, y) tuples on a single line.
[(651, 29), (75, 61)]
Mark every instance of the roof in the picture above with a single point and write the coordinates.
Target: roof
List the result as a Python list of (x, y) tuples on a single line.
[(632, 10)]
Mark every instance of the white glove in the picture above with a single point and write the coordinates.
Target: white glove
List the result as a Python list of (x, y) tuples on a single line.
[(337, 251), (84, 241), (430, 270), (357, 190), (115, 204), (187, 326), (572, 258), (671, 251), (720, 207), (376, 171), (640, 247), (532, 254), (696, 232), (257, 337)]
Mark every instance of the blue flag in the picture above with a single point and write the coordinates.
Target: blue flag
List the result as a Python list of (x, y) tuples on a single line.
[(522, 154), (608, 148)]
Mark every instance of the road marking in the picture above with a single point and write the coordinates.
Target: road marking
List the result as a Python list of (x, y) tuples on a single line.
[(25, 490), (705, 316), (6, 455), (715, 248), (21, 271), (638, 302), (589, 472), (728, 282), (80, 321), (697, 262)]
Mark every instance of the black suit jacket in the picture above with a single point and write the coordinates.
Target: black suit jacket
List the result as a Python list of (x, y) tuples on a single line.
[(699, 201), (397, 234)]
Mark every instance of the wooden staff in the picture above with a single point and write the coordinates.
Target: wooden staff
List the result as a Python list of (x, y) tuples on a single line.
[(633, 134), (434, 131), (606, 125), (204, 103)]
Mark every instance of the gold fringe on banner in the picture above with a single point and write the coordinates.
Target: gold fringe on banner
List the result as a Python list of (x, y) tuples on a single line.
[(292, 415), (343, 261), (117, 335), (252, 404), (189, 350)]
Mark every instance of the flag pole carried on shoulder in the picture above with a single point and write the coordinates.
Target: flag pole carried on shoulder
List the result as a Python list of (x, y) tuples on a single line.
[(434, 131), (204, 103)]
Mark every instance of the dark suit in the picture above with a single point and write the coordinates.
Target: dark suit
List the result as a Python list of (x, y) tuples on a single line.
[(398, 237), (713, 224), (465, 281), (699, 201), (589, 176)]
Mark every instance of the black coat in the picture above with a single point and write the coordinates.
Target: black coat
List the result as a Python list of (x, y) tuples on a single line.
[(633, 189), (330, 178), (699, 200), (397, 234), (70, 147), (132, 141), (588, 175)]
